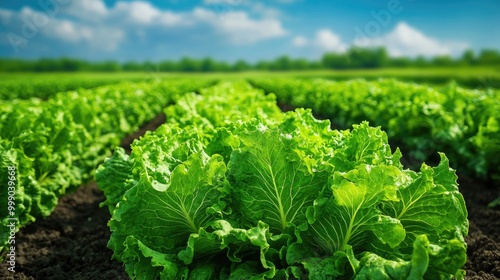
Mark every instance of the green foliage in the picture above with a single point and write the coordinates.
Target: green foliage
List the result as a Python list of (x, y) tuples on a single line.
[(353, 58), (462, 123), (45, 87), (357, 58), (56, 145), (230, 188)]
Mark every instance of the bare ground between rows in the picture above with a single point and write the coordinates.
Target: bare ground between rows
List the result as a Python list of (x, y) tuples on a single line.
[(72, 242)]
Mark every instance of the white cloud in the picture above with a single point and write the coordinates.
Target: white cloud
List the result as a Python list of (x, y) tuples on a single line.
[(233, 3), (405, 40), (239, 2), (265, 11), (235, 26), (238, 28), (111, 26), (68, 31), (137, 12), (107, 39), (324, 40), (89, 10), (5, 16), (222, 7), (300, 41), (134, 12), (329, 41), (168, 18), (64, 30)]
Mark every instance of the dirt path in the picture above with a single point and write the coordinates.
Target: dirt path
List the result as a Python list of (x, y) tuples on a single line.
[(483, 240)]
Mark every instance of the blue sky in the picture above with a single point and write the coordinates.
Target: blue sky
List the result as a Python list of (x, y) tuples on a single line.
[(243, 29)]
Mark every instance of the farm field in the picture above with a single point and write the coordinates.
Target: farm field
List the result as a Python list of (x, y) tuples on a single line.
[(43, 86), (64, 232), (48, 83)]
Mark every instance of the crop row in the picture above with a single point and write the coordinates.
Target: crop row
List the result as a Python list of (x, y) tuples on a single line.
[(55, 145), (22, 87), (232, 188), (465, 124)]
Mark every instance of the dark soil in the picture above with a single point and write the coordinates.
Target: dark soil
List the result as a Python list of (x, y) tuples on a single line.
[(71, 243), (483, 241), (151, 126)]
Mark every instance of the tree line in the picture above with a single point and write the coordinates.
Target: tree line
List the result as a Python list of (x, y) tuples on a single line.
[(354, 58)]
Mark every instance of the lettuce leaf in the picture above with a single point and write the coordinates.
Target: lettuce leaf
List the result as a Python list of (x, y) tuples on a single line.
[(270, 181)]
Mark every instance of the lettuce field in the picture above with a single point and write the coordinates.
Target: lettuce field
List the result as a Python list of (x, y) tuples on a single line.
[(249, 178)]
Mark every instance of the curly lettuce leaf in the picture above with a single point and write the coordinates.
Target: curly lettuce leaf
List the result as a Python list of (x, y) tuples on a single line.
[(430, 204), (163, 218), (115, 178), (427, 261), (270, 181), (351, 215)]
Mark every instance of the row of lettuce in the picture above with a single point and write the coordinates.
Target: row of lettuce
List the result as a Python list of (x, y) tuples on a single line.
[(51, 147), (28, 86), (463, 123), (232, 188)]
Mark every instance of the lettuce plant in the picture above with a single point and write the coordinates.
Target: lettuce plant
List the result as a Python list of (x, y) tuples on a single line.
[(279, 197)]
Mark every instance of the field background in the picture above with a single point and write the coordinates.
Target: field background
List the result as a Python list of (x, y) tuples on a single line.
[(77, 231), (471, 77), (108, 69)]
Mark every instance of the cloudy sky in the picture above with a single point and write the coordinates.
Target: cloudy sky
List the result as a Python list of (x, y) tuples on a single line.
[(243, 29)]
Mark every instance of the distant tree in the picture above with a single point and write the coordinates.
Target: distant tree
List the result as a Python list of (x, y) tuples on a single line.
[(351, 59), (300, 64), (263, 65), (357, 58), (400, 62), (222, 67), (489, 57), (131, 66), (468, 58), (335, 60), (315, 65), (187, 64), (208, 65), (150, 67), (442, 60), (166, 66), (282, 63), (109, 66), (68, 65), (420, 61), (45, 64), (367, 57), (241, 65)]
